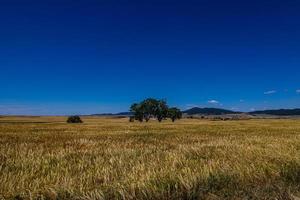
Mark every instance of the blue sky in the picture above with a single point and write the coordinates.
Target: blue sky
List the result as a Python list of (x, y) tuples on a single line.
[(82, 57)]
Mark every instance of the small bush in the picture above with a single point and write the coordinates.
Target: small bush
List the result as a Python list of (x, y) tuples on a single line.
[(74, 119)]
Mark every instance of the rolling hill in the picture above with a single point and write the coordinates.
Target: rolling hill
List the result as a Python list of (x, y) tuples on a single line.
[(280, 112), (219, 111), (208, 111)]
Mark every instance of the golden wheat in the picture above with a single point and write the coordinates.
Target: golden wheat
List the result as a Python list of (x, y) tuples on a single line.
[(45, 158)]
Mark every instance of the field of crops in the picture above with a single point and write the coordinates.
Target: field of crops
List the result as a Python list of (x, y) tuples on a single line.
[(46, 158)]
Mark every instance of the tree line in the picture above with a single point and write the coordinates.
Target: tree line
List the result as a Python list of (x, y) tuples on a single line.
[(153, 108)]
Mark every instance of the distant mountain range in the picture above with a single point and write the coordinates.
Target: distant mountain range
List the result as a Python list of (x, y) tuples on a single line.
[(219, 111), (113, 114), (208, 111), (281, 112), (192, 111)]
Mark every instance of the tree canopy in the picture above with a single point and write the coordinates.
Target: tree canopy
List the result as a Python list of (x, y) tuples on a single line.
[(153, 108), (74, 119), (174, 113)]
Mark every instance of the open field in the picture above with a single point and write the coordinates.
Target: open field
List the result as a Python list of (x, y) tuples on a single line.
[(45, 158)]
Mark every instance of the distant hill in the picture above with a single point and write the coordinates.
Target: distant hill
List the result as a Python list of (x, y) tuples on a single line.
[(113, 114), (208, 111), (280, 112), (192, 111), (219, 111)]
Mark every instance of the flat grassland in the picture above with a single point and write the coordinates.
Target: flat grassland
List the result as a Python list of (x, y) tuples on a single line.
[(46, 158)]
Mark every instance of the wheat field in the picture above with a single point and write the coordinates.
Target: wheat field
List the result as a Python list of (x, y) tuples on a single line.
[(46, 158)]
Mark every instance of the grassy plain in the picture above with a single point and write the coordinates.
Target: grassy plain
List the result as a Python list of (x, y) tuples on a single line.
[(45, 158)]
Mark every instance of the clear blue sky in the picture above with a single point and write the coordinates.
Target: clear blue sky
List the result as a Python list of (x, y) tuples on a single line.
[(88, 56)]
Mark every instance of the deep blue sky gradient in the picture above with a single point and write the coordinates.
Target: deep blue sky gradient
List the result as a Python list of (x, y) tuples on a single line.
[(67, 57)]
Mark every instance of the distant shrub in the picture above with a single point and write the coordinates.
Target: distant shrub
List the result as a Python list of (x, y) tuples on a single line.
[(74, 119)]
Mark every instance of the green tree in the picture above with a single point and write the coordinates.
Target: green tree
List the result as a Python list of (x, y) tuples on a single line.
[(74, 119), (161, 111), (174, 113), (137, 111), (149, 107)]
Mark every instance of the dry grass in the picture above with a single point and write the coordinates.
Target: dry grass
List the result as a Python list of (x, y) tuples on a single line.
[(45, 158)]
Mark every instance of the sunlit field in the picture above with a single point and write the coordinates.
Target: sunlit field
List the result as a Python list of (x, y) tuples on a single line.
[(46, 158)]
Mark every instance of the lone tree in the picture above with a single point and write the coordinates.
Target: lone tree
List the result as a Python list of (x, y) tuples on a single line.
[(74, 119), (174, 114), (161, 110), (138, 111), (151, 107)]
